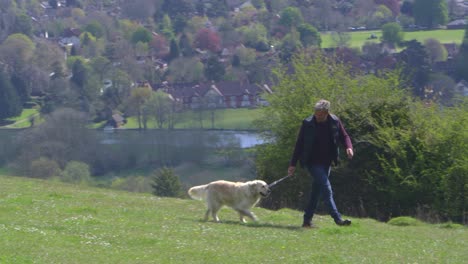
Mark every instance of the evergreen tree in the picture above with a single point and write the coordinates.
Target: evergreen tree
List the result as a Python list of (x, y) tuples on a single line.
[(214, 69), (430, 13), (166, 183), (461, 63), (174, 51), (10, 103), (185, 45), (416, 66)]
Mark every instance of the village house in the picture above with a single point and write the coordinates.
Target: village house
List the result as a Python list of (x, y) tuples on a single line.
[(224, 94)]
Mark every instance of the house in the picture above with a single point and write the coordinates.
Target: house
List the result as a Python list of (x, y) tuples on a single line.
[(457, 24), (117, 120), (452, 50), (223, 94), (462, 88), (70, 37)]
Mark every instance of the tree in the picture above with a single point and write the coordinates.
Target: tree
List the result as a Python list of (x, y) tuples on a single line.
[(207, 39), (217, 9), (185, 70), (435, 50), (393, 5), (461, 61), (63, 137), (166, 183), (17, 50), (79, 75), (166, 27), (416, 66), (158, 46), (407, 8), (178, 7), (10, 103), (159, 107), (253, 34), (174, 51), (76, 172), (291, 17), (392, 33), (430, 13), (22, 25), (95, 29), (185, 45), (101, 66), (290, 44), (136, 101), (309, 35), (138, 9), (141, 35), (341, 39), (214, 69)]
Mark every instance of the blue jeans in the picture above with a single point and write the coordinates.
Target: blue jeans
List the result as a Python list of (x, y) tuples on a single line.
[(320, 187)]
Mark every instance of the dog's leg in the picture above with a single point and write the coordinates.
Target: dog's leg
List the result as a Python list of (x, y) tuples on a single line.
[(241, 216), (214, 207), (214, 214), (249, 214), (207, 214)]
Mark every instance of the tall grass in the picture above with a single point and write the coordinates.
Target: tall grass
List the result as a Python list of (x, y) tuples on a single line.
[(51, 222)]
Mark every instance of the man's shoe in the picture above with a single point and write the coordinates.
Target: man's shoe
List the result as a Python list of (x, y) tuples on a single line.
[(308, 225), (342, 222)]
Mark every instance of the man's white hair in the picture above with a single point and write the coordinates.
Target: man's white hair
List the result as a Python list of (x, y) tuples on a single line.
[(322, 105)]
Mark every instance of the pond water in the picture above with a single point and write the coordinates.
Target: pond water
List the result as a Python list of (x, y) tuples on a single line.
[(209, 138)]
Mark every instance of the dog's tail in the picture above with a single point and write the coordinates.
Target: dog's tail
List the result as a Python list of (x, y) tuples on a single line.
[(198, 192)]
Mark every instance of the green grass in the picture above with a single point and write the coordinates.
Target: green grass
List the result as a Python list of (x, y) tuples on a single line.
[(51, 222), (22, 120), (240, 119), (358, 38)]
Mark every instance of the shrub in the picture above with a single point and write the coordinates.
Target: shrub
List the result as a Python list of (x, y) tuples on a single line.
[(132, 184), (76, 172), (166, 183), (404, 221), (44, 168)]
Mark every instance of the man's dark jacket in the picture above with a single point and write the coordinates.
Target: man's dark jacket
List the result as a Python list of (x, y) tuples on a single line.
[(305, 140)]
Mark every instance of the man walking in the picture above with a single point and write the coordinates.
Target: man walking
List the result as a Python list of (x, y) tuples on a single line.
[(317, 148)]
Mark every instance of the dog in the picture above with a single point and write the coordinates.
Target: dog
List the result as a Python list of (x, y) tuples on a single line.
[(240, 196)]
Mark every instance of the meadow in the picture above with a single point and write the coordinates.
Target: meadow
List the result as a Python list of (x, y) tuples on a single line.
[(234, 119), (51, 222), (359, 38)]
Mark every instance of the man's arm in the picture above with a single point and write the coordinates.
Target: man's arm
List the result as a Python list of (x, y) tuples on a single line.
[(346, 140), (297, 151)]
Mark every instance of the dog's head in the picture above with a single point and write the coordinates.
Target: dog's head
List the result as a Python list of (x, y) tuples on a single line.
[(260, 187)]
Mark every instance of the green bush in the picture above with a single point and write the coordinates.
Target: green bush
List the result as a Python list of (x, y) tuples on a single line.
[(404, 221), (76, 172), (132, 184), (44, 168), (166, 183)]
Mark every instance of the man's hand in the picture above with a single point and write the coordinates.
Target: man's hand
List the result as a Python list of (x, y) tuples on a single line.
[(350, 153), (291, 170)]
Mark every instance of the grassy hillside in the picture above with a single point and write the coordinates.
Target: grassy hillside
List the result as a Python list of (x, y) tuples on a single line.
[(48, 222)]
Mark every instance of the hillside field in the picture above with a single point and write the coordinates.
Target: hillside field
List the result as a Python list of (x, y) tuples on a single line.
[(359, 38), (50, 222)]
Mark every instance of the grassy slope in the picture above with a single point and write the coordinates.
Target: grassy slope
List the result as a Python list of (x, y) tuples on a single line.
[(47, 222), (358, 38)]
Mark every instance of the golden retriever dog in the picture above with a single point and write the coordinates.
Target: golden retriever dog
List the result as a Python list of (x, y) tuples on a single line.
[(240, 196)]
